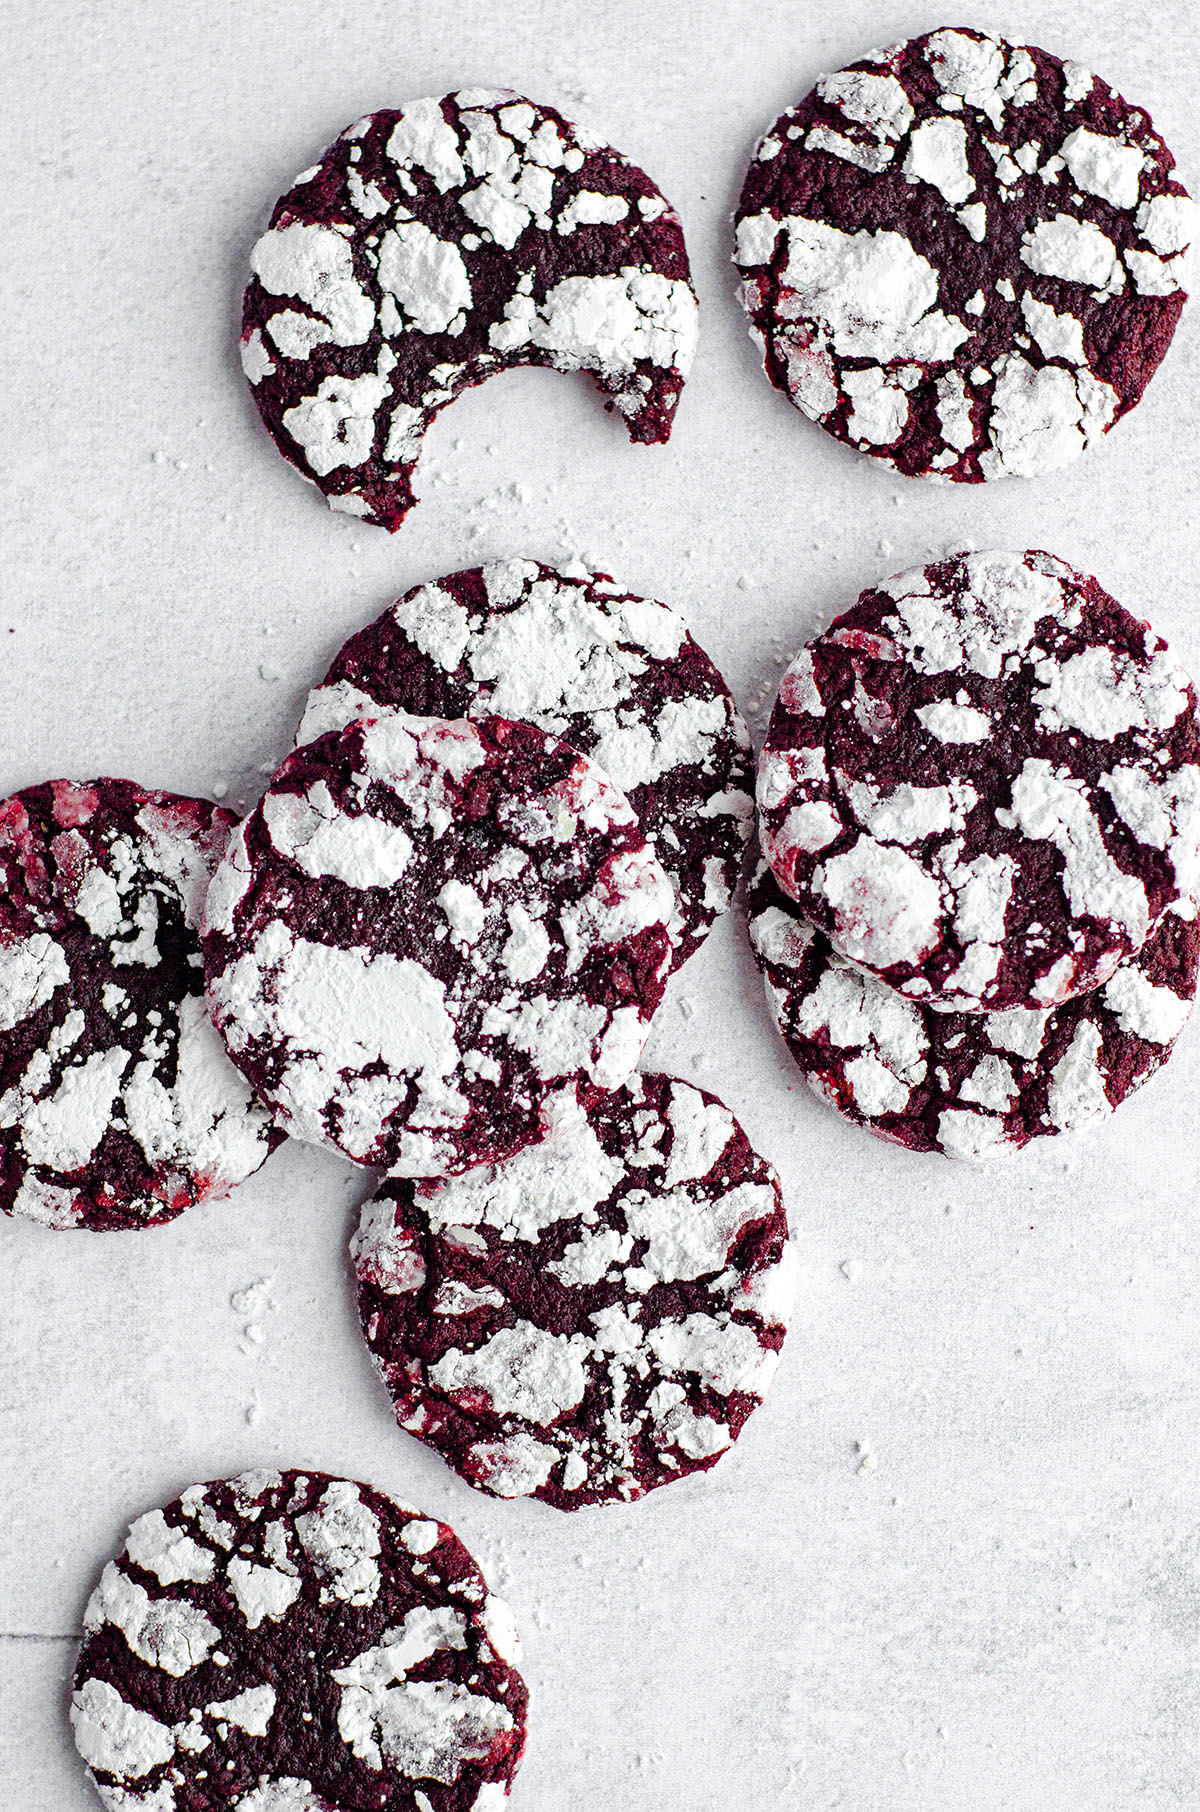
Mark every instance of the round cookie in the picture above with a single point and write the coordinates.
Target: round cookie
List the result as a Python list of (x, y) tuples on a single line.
[(437, 244), (969, 1084), (963, 256), (290, 1642), (118, 1105), (617, 677), (597, 1316), (426, 929), (981, 782)]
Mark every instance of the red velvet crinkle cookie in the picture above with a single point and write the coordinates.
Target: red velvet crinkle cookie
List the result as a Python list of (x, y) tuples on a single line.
[(118, 1105), (981, 782), (597, 1316), (435, 245), (616, 676), (289, 1642), (963, 256), (425, 929), (969, 1084)]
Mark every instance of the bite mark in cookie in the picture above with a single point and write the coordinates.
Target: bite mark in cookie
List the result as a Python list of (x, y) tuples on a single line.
[(435, 245)]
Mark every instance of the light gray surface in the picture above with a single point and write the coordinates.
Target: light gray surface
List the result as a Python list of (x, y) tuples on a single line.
[(1002, 1612)]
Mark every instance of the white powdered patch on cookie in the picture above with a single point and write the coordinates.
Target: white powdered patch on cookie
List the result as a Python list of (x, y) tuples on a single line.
[(1076, 1089), (887, 908), (322, 840), (316, 265), (1104, 166), (341, 1538), (1143, 1010), (1053, 807), (1105, 693), (566, 1174), (168, 1552), (342, 1011), (605, 324), (522, 1371), (937, 154), (169, 1633), (872, 293), (250, 1711), (31, 969), (115, 1737)]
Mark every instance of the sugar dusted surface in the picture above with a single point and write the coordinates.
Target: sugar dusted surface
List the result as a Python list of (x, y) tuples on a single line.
[(367, 1658), (931, 208), (437, 243), (983, 782), (427, 1027), (594, 1318), (1019, 1368)]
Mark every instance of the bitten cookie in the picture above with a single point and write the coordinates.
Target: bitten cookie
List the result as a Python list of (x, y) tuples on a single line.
[(289, 1642), (434, 245), (425, 929), (597, 1316), (982, 782), (118, 1105), (616, 676), (963, 256), (969, 1084)]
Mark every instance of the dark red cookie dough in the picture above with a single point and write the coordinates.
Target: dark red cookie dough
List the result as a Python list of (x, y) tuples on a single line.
[(290, 1642), (426, 929), (118, 1105), (435, 245), (968, 1084), (597, 1316), (963, 256), (617, 676), (981, 782)]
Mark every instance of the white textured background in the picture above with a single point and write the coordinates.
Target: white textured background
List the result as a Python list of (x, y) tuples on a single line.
[(1003, 1613)]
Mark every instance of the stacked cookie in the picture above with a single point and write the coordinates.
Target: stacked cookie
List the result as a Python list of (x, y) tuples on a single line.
[(521, 797), (979, 806)]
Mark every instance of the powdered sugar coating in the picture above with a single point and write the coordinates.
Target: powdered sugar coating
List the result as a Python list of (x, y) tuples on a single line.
[(952, 256), (432, 246), (971, 1085), (118, 1105), (320, 1646), (983, 782), (617, 676), (429, 927), (593, 1318)]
